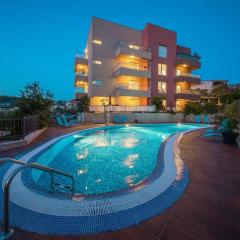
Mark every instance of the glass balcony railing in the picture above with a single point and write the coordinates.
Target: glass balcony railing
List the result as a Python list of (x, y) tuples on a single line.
[(132, 46), (82, 74), (186, 91), (130, 86), (134, 66), (80, 90), (187, 75), (194, 58)]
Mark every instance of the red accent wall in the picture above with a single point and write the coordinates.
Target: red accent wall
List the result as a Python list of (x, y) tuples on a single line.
[(152, 37)]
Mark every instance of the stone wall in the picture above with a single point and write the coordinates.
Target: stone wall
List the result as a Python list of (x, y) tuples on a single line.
[(141, 117)]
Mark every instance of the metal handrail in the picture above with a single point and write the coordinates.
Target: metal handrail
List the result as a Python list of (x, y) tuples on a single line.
[(12, 160), (6, 190)]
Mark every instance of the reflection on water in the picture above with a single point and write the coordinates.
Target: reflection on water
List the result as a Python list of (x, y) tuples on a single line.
[(130, 142), (109, 160), (129, 161), (81, 155), (81, 171), (164, 137), (130, 180)]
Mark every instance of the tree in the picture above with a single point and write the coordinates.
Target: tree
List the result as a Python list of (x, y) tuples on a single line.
[(83, 103), (158, 102), (35, 101), (192, 108), (230, 96), (209, 108)]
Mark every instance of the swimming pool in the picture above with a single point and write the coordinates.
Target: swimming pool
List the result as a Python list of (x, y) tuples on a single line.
[(108, 159), (124, 175)]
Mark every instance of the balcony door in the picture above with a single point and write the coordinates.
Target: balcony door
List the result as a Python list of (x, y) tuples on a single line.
[(134, 85)]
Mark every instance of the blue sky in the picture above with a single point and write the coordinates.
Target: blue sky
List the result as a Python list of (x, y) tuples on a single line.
[(39, 38)]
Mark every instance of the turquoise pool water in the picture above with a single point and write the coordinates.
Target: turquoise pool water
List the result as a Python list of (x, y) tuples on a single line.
[(108, 159)]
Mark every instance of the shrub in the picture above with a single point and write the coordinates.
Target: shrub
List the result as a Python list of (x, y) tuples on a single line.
[(192, 108), (209, 108), (158, 102), (83, 103), (232, 111)]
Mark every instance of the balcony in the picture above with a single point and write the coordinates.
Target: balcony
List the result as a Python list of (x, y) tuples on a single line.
[(188, 60), (188, 77), (187, 95), (81, 76), (131, 69), (125, 48), (138, 90), (81, 59)]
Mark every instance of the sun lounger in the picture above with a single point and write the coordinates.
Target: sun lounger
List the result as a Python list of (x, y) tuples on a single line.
[(197, 119), (116, 119), (124, 118), (206, 119), (65, 122)]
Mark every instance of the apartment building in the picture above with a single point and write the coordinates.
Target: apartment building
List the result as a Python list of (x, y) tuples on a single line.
[(207, 87), (127, 67)]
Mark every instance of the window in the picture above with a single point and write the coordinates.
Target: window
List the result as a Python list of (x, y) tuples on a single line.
[(162, 69), (97, 62), (162, 87), (162, 51), (178, 72), (178, 89), (97, 41), (134, 85), (134, 46), (97, 82)]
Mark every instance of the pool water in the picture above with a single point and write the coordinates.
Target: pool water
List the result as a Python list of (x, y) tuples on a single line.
[(107, 159)]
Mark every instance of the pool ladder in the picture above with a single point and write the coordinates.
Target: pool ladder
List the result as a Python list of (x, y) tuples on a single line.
[(7, 232)]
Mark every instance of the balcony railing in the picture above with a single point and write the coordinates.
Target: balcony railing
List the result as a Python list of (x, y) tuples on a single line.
[(187, 92), (194, 58), (134, 66), (80, 90), (121, 108), (83, 56), (188, 75), (140, 87), (82, 74), (132, 46)]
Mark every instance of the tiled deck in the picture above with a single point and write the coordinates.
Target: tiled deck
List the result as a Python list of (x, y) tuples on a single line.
[(209, 209)]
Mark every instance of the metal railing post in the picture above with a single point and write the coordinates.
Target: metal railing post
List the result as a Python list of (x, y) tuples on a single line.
[(7, 232)]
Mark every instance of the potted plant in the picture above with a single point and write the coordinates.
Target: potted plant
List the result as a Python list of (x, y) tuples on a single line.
[(230, 124), (228, 131)]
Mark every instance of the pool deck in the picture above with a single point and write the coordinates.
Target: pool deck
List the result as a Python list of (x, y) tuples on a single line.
[(209, 209)]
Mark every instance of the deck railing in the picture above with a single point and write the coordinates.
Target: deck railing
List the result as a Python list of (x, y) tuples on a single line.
[(17, 128)]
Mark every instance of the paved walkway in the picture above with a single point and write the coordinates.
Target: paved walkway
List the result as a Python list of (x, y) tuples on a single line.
[(209, 209)]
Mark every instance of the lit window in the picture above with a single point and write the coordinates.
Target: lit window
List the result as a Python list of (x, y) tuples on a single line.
[(162, 51), (133, 85), (162, 87), (96, 41), (178, 72), (134, 46), (97, 62), (178, 89), (97, 82), (162, 69)]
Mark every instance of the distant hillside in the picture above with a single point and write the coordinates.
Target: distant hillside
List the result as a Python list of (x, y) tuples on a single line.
[(8, 101)]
